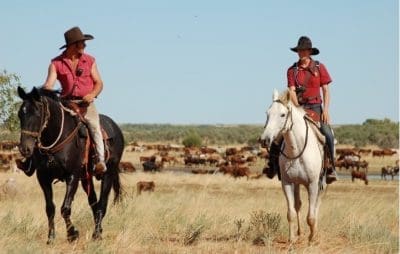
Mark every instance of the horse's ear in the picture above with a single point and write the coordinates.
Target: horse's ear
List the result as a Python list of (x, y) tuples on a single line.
[(275, 95), (21, 93), (35, 94)]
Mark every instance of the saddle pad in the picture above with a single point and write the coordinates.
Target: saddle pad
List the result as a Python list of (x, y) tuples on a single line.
[(315, 127)]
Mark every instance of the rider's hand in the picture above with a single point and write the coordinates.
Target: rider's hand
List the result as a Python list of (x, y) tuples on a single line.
[(89, 98), (325, 117)]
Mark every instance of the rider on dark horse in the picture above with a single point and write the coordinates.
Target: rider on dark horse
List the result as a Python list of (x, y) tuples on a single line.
[(80, 82), (305, 79)]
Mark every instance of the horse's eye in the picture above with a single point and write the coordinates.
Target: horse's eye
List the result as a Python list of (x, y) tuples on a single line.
[(282, 115)]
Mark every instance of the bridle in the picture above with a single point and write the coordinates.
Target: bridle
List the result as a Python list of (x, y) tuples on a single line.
[(290, 114), (45, 116)]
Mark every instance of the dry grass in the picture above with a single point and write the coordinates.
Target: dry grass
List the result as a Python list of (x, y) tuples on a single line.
[(205, 214)]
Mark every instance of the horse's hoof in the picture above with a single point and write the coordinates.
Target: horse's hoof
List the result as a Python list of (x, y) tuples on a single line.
[(50, 241), (96, 236), (51, 237), (73, 236)]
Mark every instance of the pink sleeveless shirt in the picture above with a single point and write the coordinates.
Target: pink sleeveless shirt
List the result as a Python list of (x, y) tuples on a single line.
[(76, 83)]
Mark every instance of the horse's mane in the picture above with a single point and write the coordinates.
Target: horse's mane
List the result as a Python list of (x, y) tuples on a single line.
[(284, 97), (55, 95)]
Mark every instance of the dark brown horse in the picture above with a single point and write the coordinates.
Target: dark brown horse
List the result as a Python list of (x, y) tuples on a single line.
[(54, 141)]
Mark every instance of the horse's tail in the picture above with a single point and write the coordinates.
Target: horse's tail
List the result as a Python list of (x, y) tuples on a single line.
[(117, 187), (117, 148)]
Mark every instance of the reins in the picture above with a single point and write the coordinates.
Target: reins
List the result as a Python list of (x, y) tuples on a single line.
[(304, 147), (290, 128), (54, 147)]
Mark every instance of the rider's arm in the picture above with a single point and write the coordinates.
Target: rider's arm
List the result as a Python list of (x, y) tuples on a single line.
[(326, 100), (98, 84), (51, 77), (293, 96)]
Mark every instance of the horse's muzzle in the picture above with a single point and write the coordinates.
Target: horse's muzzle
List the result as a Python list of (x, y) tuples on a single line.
[(264, 142), (25, 151)]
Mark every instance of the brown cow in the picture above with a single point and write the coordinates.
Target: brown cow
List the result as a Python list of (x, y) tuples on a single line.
[(126, 166), (147, 158), (388, 152), (169, 159), (239, 171), (208, 150), (231, 151), (214, 159), (234, 170), (364, 151), (226, 169), (362, 164), (145, 186), (360, 175), (346, 151)]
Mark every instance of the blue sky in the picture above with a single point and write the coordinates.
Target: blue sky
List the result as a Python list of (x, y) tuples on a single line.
[(206, 62)]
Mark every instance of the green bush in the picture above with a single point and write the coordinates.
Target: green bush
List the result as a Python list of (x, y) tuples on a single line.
[(383, 133), (192, 140)]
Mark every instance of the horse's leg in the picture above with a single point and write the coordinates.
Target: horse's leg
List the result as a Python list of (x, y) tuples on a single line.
[(45, 183), (313, 198), (288, 189), (87, 185), (297, 206), (106, 185), (72, 185)]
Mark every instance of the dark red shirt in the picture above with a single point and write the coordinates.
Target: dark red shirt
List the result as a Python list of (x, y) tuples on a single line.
[(318, 76), (72, 83)]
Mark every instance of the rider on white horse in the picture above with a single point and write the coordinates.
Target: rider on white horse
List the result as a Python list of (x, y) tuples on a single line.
[(305, 79)]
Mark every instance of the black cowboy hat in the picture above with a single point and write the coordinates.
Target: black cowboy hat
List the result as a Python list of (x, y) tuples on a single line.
[(305, 43), (74, 35)]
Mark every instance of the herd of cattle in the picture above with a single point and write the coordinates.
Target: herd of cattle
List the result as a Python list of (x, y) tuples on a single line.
[(205, 160), (238, 161), (229, 161), (351, 158)]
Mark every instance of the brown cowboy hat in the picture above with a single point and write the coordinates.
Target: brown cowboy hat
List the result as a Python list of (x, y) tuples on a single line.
[(305, 43), (74, 35)]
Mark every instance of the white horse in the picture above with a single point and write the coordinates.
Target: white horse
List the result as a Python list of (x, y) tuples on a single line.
[(300, 160)]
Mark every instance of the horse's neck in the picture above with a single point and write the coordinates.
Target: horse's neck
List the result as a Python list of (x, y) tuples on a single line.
[(296, 136), (54, 123)]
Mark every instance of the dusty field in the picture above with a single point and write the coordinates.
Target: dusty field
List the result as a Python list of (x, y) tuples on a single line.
[(202, 214)]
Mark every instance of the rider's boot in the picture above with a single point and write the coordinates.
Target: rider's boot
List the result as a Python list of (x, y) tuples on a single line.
[(331, 175), (273, 163)]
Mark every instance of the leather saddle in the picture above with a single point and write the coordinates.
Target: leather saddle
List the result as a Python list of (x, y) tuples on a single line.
[(80, 109), (315, 123)]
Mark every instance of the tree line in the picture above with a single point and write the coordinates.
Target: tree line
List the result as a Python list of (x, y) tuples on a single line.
[(383, 133)]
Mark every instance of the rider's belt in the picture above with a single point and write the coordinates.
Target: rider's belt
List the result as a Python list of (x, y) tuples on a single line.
[(73, 98), (306, 100)]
